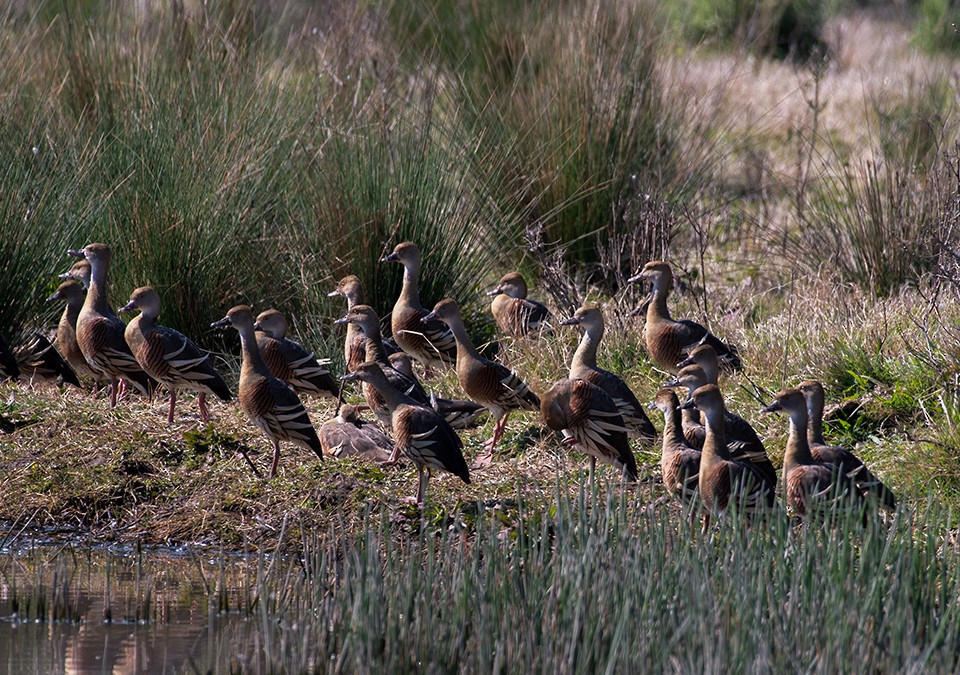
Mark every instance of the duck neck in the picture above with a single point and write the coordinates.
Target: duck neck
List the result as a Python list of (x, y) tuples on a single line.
[(672, 429), (711, 370), (251, 361), (657, 309), (392, 396), (464, 343), (373, 343), (815, 421), (586, 354), (715, 444), (97, 293), (798, 449), (411, 282)]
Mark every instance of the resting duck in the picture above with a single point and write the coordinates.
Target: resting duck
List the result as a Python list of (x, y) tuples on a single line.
[(515, 314), (679, 463), (589, 419), (100, 332), (71, 292), (347, 434), (268, 402), (354, 349), (420, 432), (460, 413), (668, 340), (169, 356), (39, 361), (849, 463), (487, 382), (723, 481), (289, 361), (584, 366), (429, 342), (810, 486)]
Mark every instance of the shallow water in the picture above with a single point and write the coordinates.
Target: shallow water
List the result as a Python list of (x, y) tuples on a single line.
[(65, 610)]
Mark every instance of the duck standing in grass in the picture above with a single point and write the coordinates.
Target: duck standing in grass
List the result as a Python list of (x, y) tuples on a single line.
[(289, 360), (811, 487), (487, 382), (347, 434), (429, 342), (72, 294), (100, 332), (845, 459), (667, 340), (679, 463), (169, 356), (589, 419), (419, 432), (268, 402), (723, 481), (584, 366), (517, 315)]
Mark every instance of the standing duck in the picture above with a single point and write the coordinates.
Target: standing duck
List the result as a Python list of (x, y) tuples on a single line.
[(268, 402), (810, 486), (288, 360), (667, 340), (420, 432), (515, 314), (679, 463), (100, 332), (429, 342), (743, 442), (9, 368), (849, 463), (354, 348), (72, 294), (723, 481), (347, 434), (459, 413), (169, 356), (589, 419), (584, 366), (39, 361), (487, 382)]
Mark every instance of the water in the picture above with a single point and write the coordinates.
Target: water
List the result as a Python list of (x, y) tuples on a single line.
[(65, 610)]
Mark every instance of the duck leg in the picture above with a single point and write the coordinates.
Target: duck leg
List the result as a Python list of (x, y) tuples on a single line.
[(276, 458), (202, 403), (113, 393), (173, 404)]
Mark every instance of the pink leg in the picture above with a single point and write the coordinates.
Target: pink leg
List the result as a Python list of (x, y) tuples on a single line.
[(202, 403), (121, 389), (173, 404), (276, 458)]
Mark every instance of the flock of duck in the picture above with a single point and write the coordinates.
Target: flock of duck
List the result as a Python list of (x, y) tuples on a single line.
[(712, 460)]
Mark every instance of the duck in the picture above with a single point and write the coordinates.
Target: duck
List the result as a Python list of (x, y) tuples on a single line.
[(590, 420), (269, 404), (429, 342), (849, 463), (289, 360), (679, 462), (810, 486), (460, 413), (72, 294), (706, 357), (666, 339), (79, 272), (39, 361), (491, 384), (723, 481), (366, 319), (743, 441), (100, 331), (584, 366), (354, 349), (515, 314), (347, 434), (170, 357), (419, 432), (9, 368)]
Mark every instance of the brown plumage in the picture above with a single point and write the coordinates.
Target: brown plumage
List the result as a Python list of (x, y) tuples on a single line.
[(849, 463), (79, 272), (169, 356), (724, 482), (809, 486), (584, 366), (515, 314), (429, 342), (743, 442), (9, 368), (460, 413), (589, 419), (679, 463), (347, 434), (354, 348), (668, 340), (100, 332), (71, 292), (40, 362), (487, 382), (268, 402), (419, 432), (289, 360)]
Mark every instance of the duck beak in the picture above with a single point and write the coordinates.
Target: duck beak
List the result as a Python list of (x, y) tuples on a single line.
[(222, 323), (348, 377), (55, 296), (393, 257), (673, 383), (572, 321), (130, 306), (429, 317), (65, 275), (637, 278), (686, 362), (495, 291), (652, 406), (334, 293), (342, 320), (687, 405), (257, 326), (773, 407), (76, 252)]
